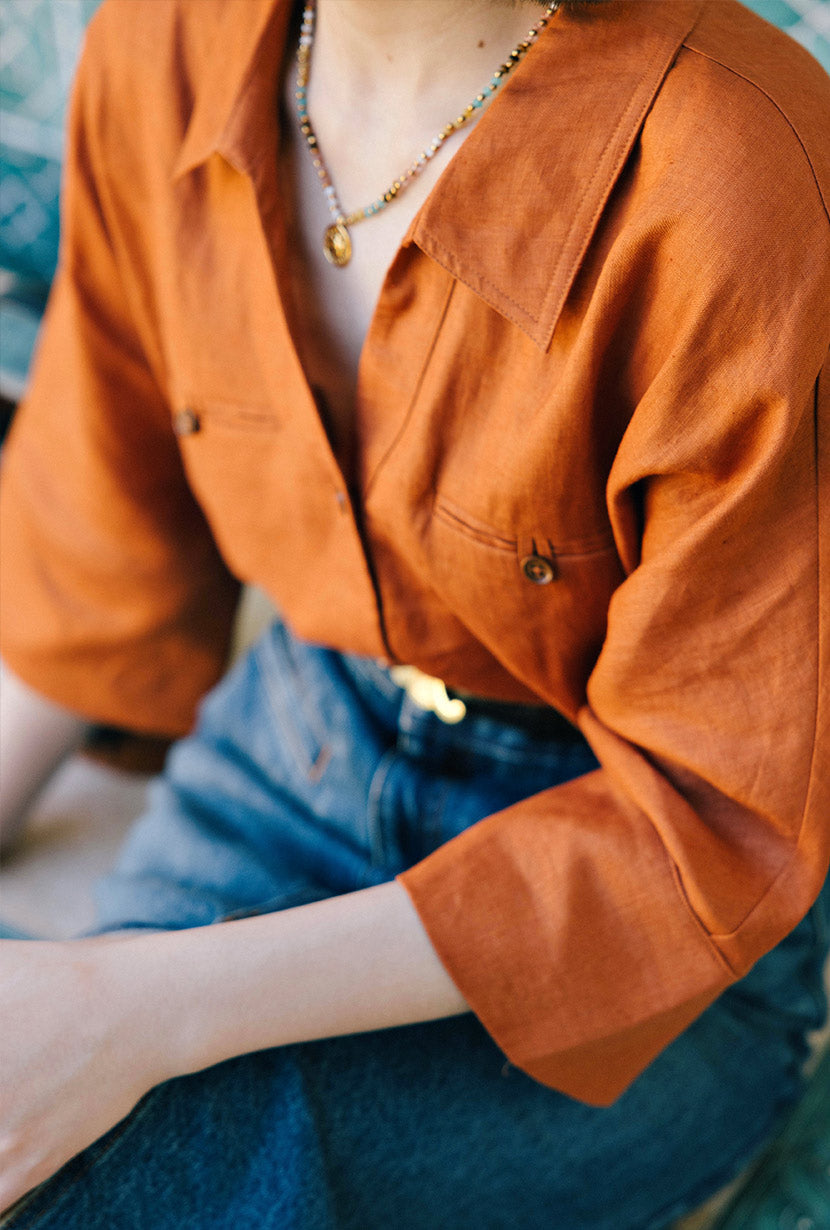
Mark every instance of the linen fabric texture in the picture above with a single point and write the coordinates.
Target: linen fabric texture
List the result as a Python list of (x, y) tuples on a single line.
[(603, 340)]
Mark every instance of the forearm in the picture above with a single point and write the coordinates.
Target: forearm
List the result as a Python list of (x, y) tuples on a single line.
[(35, 736), (352, 963), (86, 1028)]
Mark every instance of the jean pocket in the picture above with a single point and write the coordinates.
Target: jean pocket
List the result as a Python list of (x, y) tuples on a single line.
[(293, 700)]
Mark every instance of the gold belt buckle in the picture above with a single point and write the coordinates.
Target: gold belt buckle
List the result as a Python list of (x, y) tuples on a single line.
[(429, 693)]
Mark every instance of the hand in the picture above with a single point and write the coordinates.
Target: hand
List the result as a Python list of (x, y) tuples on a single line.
[(76, 1052)]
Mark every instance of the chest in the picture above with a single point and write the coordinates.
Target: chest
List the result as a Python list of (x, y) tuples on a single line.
[(477, 448), (331, 308)]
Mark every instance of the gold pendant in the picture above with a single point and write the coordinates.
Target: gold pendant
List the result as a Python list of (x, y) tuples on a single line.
[(337, 245)]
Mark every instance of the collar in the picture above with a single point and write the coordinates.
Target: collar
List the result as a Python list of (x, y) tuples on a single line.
[(515, 209), (235, 110)]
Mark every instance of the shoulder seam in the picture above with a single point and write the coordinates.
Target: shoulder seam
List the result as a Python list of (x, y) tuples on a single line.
[(743, 77)]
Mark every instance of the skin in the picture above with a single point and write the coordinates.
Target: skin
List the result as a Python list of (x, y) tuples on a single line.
[(80, 1020), (376, 101), (35, 737)]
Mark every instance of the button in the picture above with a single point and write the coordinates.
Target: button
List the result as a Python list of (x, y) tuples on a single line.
[(186, 422), (538, 569)]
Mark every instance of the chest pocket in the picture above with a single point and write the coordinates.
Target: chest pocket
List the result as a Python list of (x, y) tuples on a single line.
[(233, 455), (541, 605), (193, 417)]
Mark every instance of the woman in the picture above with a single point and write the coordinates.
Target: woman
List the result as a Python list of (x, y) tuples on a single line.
[(525, 448)]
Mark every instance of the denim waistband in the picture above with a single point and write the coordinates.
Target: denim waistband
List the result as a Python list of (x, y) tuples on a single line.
[(491, 731), (540, 721)]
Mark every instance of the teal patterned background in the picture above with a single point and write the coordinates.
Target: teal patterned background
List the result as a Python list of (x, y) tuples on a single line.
[(808, 21), (39, 45)]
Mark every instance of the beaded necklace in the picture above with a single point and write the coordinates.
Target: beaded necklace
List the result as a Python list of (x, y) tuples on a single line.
[(337, 244)]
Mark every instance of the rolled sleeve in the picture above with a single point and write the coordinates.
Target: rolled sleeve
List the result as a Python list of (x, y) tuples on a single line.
[(589, 925), (115, 601)]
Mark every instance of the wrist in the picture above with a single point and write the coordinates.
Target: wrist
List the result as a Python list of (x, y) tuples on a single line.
[(167, 997), (134, 994)]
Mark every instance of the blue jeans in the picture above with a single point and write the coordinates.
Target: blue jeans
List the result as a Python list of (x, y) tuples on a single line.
[(312, 774)]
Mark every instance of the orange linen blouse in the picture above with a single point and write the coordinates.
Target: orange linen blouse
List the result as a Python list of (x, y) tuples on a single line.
[(603, 341)]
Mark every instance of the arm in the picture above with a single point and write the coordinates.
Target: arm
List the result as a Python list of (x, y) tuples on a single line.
[(114, 600), (353, 963), (35, 737), (114, 1010)]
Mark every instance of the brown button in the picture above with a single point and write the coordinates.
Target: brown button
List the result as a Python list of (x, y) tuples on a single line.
[(538, 569), (186, 422)]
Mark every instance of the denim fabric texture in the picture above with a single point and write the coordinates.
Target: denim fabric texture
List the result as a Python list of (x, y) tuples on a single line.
[(312, 774)]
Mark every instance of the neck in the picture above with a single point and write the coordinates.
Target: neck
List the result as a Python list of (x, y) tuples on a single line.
[(404, 46)]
